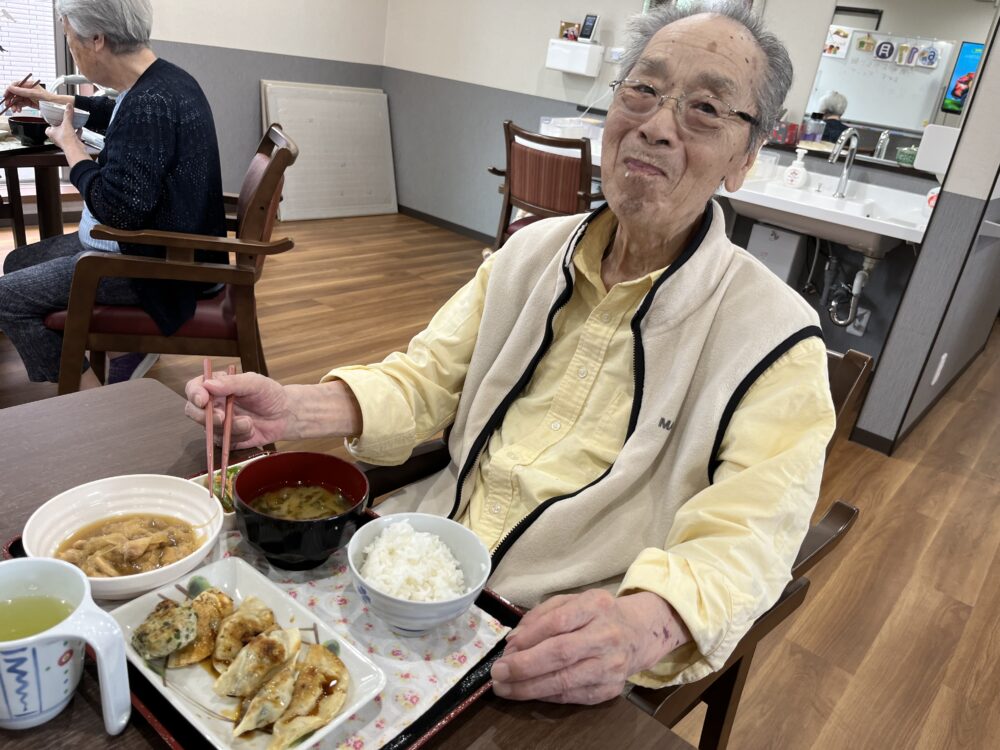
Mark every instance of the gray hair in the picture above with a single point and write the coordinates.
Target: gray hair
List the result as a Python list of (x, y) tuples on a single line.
[(769, 90), (125, 24), (832, 103)]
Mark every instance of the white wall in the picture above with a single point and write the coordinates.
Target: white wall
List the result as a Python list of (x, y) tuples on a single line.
[(803, 28), (499, 44), (960, 20), (347, 30)]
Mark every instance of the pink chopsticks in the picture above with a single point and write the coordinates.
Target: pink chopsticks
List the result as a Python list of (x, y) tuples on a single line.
[(227, 429), (21, 84), (209, 431)]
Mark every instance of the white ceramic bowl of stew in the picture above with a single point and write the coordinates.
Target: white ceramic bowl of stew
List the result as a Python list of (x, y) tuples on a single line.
[(113, 498)]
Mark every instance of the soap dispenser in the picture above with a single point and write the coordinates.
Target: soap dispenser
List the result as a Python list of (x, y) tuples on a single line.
[(796, 175)]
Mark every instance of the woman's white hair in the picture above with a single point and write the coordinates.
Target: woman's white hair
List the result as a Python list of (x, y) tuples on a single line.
[(125, 24), (832, 103)]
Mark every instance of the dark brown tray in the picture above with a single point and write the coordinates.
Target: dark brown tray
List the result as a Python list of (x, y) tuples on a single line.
[(178, 733)]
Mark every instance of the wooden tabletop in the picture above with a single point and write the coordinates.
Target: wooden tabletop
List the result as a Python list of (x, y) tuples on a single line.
[(139, 426)]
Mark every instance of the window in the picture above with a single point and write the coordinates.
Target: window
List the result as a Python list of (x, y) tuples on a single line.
[(27, 33)]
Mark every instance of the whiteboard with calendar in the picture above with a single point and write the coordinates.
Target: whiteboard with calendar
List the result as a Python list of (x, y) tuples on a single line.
[(889, 80)]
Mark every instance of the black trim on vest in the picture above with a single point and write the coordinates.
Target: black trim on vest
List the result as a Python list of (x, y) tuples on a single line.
[(747, 382), (639, 371), (498, 414), (638, 352)]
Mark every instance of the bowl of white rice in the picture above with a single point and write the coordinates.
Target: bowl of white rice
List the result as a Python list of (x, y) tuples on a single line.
[(416, 571)]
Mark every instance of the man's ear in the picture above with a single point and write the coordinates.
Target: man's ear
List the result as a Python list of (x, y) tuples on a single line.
[(734, 178), (99, 42)]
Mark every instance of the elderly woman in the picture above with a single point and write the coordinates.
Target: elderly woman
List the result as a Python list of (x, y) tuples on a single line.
[(159, 169), (832, 106), (639, 409)]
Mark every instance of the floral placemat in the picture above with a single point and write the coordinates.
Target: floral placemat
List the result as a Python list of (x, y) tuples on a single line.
[(419, 670)]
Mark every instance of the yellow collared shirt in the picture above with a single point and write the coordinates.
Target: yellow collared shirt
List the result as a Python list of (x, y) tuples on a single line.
[(569, 423)]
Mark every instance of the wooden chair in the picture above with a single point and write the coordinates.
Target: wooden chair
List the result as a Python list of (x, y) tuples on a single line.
[(721, 690), (224, 325), (541, 182), (849, 375)]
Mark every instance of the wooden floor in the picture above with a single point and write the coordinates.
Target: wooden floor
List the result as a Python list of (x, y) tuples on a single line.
[(898, 644)]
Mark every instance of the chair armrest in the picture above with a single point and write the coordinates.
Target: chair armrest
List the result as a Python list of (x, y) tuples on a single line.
[(497, 172), (426, 459), (824, 536), (598, 196), (671, 704), (92, 266), (191, 241)]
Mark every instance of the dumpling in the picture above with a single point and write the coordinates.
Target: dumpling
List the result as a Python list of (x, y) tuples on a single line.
[(250, 620), (258, 660), (210, 607), (170, 626), (319, 694), (269, 703)]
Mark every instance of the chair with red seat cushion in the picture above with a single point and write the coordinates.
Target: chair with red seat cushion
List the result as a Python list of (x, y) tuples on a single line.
[(224, 325), (542, 182)]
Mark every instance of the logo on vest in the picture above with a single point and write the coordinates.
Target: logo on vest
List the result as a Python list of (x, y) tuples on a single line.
[(666, 424)]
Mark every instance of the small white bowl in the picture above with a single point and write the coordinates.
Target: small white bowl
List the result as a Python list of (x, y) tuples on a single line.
[(53, 114), (408, 618), (68, 512)]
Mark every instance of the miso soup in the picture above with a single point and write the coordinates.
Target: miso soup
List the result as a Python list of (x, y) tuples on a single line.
[(302, 502), (26, 615)]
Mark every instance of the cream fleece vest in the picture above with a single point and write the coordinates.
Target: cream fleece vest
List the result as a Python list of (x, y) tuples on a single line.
[(711, 324)]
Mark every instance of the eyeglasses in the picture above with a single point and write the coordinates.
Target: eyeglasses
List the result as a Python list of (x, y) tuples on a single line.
[(699, 113)]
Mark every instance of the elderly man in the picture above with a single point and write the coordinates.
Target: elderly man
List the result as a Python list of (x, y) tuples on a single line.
[(639, 409)]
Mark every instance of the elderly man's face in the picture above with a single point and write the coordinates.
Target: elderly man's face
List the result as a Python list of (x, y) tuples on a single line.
[(651, 165)]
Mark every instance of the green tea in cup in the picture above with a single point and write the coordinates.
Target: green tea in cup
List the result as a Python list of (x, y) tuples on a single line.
[(26, 615)]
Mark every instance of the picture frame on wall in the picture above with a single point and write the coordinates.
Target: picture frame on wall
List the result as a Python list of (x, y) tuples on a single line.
[(569, 30)]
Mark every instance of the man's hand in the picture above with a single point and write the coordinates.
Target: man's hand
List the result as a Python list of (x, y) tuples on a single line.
[(260, 406), (581, 648)]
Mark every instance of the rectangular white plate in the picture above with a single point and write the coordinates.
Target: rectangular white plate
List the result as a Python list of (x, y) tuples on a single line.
[(239, 580)]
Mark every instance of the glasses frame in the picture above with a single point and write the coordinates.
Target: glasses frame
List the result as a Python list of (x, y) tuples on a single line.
[(661, 98)]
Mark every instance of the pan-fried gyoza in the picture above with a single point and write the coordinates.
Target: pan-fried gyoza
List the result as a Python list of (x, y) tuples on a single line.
[(284, 686)]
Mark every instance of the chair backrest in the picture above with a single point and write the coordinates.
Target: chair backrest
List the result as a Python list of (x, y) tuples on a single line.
[(546, 183), (849, 374), (257, 207)]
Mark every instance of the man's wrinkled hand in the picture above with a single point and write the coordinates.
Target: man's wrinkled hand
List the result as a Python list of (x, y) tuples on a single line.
[(581, 648)]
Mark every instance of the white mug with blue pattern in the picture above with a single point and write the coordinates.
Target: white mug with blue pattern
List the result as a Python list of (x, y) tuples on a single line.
[(39, 673)]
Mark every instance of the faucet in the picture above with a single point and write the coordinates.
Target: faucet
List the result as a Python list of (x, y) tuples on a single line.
[(852, 150), (883, 144)]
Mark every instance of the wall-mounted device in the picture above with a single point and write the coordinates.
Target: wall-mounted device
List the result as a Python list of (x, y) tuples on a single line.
[(588, 30)]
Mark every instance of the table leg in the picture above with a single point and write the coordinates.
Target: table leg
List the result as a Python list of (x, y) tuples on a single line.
[(16, 209), (47, 189)]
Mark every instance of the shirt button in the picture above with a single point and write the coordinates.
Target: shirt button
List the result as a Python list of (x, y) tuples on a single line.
[(605, 317), (582, 372), (556, 425), (495, 509)]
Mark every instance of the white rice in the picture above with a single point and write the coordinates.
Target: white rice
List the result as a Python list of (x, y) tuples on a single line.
[(412, 565)]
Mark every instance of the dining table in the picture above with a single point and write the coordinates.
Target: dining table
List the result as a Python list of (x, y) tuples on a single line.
[(139, 426), (46, 161)]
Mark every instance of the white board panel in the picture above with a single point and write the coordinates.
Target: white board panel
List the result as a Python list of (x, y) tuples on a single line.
[(345, 150), (882, 92)]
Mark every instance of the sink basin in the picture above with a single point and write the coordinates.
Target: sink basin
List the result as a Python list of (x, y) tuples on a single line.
[(871, 219)]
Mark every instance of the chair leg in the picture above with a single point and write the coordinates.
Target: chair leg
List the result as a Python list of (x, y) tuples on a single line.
[(98, 364), (71, 364), (722, 699), (261, 362)]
